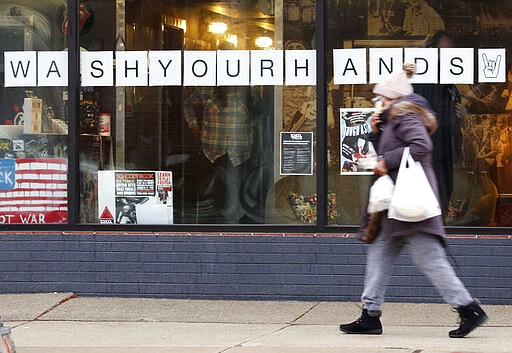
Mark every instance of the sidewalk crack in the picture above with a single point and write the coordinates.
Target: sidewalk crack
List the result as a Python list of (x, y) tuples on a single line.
[(254, 338), (292, 323), (304, 314), (69, 297)]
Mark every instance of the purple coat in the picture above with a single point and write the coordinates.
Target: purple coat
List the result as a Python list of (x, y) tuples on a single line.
[(408, 122)]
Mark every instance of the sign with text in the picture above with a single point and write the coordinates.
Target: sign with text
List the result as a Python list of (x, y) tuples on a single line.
[(132, 68), (165, 68), (349, 66), (97, 68), (33, 190), (199, 68), (233, 67), (267, 67), (383, 61), (426, 61), (300, 72), (457, 65), (358, 155), (251, 67), (296, 153), (7, 173), (135, 197)]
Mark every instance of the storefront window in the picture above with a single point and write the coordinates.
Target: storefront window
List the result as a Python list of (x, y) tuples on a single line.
[(205, 112), (33, 114), (472, 154), (189, 115)]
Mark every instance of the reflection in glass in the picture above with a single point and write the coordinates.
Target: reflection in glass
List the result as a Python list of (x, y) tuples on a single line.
[(472, 145), (33, 120), (217, 141)]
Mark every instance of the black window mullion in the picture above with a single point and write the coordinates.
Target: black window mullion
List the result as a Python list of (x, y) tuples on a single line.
[(73, 112), (321, 118)]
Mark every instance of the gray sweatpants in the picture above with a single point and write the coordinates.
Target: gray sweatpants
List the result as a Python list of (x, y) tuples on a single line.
[(427, 253)]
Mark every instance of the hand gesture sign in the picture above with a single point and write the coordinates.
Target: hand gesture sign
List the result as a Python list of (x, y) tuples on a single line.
[(491, 67)]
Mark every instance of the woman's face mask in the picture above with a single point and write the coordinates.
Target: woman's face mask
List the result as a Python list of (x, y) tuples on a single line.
[(386, 102)]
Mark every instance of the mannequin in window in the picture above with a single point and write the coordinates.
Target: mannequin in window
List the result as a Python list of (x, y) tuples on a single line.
[(219, 117)]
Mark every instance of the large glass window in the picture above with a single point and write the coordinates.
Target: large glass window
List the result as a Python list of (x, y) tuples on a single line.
[(472, 154), (212, 135), (204, 112), (33, 115)]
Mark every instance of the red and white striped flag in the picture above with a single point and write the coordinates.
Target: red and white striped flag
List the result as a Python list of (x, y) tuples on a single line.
[(39, 194)]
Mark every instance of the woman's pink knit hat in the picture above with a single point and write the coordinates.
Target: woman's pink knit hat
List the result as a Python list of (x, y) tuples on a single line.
[(397, 85)]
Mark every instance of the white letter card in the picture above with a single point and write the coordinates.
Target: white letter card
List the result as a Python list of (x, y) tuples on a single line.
[(20, 68), (426, 61), (131, 68), (349, 66), (456, 65), (267, 67), (52, 68), (300, 67), (165, 67), (384, 62), (199, 68), (97, 68), (233, 68)]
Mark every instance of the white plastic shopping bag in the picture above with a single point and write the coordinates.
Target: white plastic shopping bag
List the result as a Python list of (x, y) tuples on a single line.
[(413, 198), (381, 192)]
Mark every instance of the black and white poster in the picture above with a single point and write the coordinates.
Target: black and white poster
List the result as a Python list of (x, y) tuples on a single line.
[(358, 155), (296, 153)]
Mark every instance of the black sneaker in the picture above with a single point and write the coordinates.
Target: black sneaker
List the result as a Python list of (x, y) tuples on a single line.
[(366, 324), (471, 316)]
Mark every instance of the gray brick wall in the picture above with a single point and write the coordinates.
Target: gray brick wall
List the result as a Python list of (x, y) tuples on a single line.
[(265, 266)]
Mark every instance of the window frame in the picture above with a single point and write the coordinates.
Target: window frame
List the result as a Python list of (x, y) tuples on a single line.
[(321, 226)]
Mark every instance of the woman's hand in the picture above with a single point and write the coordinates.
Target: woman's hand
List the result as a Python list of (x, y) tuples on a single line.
[(380, 167), (375, 122)]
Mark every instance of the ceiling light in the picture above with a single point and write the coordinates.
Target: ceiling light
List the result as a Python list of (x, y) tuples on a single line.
[(264, 42), (217, 27), (233, 39)]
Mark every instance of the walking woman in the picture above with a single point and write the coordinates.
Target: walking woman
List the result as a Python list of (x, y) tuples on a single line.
[(408, 121)]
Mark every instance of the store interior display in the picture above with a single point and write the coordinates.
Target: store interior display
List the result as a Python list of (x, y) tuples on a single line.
[(220, 142), (480, 135)]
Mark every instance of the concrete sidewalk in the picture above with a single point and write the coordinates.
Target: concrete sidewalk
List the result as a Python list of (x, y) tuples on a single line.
[(63, 323)]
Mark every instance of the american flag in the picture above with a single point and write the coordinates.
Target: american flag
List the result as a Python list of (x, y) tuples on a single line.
[(39, 194)]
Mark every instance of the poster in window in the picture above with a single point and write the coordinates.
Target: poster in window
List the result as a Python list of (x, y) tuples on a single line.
[(33, 190), (358, 155), (135, 197), (296, 153)]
